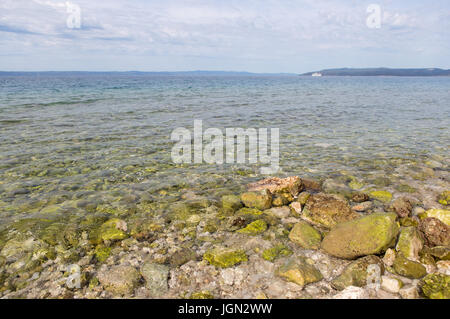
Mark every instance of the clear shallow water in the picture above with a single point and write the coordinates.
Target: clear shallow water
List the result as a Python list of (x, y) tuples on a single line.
[(73, 145)]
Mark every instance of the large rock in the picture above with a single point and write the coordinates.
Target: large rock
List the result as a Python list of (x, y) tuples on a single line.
[(367, 235), (357, 272), (305, 235), (436, 286), (119, 279), (275, 185), (442, 214), (408, 268), (299, 271), (402, 207), (225, 257), (410, 242), (436, 233), (260, 200), (156, 277), (327, 210)]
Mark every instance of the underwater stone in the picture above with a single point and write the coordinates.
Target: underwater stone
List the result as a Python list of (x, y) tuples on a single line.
[(436, 232), (119, 279), (402, 207), (156, 277), (231, 203), (254, 228), (410, 242), (444, 198), (299, 271), (273, 253), (259, 200), (382, 196), (292, 185), (305, 236), (225, 257)]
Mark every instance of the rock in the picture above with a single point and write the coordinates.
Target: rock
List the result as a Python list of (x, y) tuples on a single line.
[(389, 257), (356, 273), (296, 208), (440, 252), (442, 214), (409, 221), (360, 197), (436, 233), (112, 230), (444, 198), (254, 228), (436, 286), (279, 212), (362, 207), (181, 257), (119, 279), (443, 266), (275, 185), (327, 210), (202, 295), (273, 253), (303, 197), (367, 235), (299, 271), (156, 277), (305, 235), (405, 188), (382, 196), (225, 257), (231, 203), (352, 292), (355, 184), (391, 284), (410, 242), (312, 185), (409, 292), (281, 200), (408, 268), (259, 200), (402, 207)]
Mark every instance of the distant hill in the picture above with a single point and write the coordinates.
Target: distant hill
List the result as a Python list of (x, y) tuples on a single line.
[(381, 72), (137, 73)]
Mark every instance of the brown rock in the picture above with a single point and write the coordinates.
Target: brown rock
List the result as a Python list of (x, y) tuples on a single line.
[(312, 185), (436, 232), (402, 207), (360, 197), (292, 185)]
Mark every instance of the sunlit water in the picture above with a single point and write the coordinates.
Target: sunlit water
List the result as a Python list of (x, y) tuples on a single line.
[(73, 144)]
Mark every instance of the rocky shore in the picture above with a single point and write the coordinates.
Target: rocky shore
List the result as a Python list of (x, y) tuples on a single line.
[(287, 237)]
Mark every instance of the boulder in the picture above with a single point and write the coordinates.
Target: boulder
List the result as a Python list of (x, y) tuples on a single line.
[(402, 207), (367, 235), (436, 286), (410, 242), (436, 233), (408, 268), (260, 200), (327, 210), (442, 214), (299, 271)]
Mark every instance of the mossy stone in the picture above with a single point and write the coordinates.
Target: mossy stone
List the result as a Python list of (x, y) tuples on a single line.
[(202, 295), (305, 236), (442, 214), (382, 196), (273, 253), (410, 242), (231, 203), (408, 268), (444, 198), (299, 271), (436, 286), (225, 257), (254, 228), (366, 235), (260, 200), (102, 253)]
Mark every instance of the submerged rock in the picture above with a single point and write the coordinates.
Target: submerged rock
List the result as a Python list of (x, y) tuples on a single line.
[(367, 235), (119, 279), (382, 196), (231, 203), (113, 229), (444, 198), (312, 184), (260, 200), (352, 292), (410, 242), (292, 185), (408, 268), (299, 271), (254, 228), (435, 232), (327, 210), (273, 253), (360, 197), (357, 273), (305, 235), (156, 277), (225, 257), (436, 286)]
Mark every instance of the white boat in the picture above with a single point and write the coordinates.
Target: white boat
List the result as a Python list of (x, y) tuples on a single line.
[(317, 74)]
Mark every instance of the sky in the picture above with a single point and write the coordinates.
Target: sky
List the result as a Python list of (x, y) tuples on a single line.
[(266, 36)]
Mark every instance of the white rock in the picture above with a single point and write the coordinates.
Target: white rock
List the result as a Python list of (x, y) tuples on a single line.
[(389, 257), (409, 292), (443, 267), (391, 284), (352, 292)]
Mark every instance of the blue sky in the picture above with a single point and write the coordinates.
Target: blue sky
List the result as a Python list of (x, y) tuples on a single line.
[(241, 35)]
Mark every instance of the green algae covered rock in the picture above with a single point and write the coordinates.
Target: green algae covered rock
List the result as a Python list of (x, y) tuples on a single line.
[(327, 210), (444, 198), (305, 235), (303, 197), (439, 252), (102, 253), (410, 242), (254, 228), (112, 230), (225, 257), (382, 196), (249, 211), (367, 235), (357, 272), (231, 203), (299, 271), (260, 200), (436, 286), (442, 214), (408, 268), (202, 295), (273, 253)]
